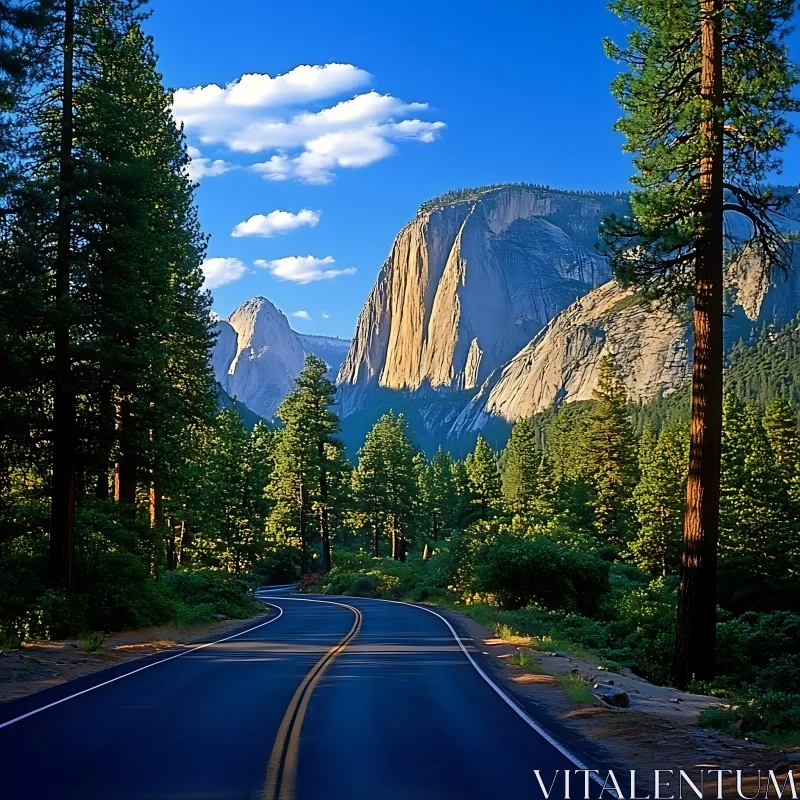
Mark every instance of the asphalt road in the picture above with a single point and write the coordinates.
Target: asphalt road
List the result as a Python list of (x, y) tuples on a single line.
[(336, 700)]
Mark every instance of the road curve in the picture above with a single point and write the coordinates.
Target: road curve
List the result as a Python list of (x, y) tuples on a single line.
[(341, 699)]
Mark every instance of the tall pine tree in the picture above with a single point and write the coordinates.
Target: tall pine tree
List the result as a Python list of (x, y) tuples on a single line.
[(707, 97)]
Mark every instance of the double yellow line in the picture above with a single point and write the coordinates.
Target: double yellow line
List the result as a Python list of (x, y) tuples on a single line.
[(282, 768)]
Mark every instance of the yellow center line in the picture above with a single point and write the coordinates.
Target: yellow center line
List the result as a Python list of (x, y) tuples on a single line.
[(282, 767)]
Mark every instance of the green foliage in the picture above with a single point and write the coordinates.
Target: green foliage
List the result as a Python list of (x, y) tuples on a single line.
[(217, 590), (576, 688), (484, 479), (309, 471), (659, 93), (611, 466), (518, 572), (528, 489), (93, 642), (660, 497), (768, 366), (385, 485)]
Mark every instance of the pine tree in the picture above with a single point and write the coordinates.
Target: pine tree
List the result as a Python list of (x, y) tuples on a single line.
[(484, 479), (527, 477), (611, 466), (305, 451), (660, 496), (706, 96), (780, 427), (758, 531), (437, 501), (385, 485)]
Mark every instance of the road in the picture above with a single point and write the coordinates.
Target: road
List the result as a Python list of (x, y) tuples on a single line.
[(336, 699)]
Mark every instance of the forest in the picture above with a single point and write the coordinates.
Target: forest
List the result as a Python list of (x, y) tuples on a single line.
[(127, 498)]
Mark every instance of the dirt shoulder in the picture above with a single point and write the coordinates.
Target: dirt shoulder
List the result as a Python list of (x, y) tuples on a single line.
[(41, 665), (658, 730)]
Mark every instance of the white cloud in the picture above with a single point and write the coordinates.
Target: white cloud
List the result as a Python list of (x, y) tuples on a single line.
[(301, 315), (219, 271), (200, 167), (259, 114), (275, 222), (304, 269), (325, 315)]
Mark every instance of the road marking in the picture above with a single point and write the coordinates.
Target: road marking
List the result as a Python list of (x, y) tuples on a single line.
[(282, 768), (518, 710), (141, 669)]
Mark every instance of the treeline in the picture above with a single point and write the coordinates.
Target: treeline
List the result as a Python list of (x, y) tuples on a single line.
[(104, 323), (459, 195)]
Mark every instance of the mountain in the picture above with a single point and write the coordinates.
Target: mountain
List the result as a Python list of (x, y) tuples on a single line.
[(649, 342), (494, 304), (468, 283), (257, 355)]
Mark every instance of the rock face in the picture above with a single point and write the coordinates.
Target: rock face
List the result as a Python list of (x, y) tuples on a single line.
[(467, 285), (651, 345), (257, 355)]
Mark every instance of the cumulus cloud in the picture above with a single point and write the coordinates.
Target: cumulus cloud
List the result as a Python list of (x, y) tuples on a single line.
[(304, 269), (219, 271), (276, 222), (259, 114), (325, 315), (301, 315), (200, 167)]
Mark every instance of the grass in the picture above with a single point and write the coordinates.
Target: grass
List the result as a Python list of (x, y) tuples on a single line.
[(576, 688), (527, 660), (194, 616), (94, 642), (781, 741)]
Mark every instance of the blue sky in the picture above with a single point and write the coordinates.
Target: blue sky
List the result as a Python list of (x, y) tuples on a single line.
[(515, 91)]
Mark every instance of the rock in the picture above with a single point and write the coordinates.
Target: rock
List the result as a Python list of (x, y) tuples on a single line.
[(650, 343), (257, 355), (467, 284), (220, 617), (611, 695)]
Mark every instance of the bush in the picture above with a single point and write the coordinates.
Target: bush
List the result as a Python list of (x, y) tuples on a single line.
[(279, 565), (221, 592), (517, 572), (93, 642), (196, 616)]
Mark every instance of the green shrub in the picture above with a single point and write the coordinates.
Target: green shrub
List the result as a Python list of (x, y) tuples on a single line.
[(221, 592), (93, 642), (519, 571)]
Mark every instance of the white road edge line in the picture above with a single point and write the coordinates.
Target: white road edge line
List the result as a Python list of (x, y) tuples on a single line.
[(508, 700), (141, 669)]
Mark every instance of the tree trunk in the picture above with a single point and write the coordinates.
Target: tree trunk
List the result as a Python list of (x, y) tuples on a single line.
[(185, 556), (395, 540), (303, 534), (403, 548), (376, 549), (695, 643), (325, 532), (125, 470), (62, 512), (435, 527), (172, 554)]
